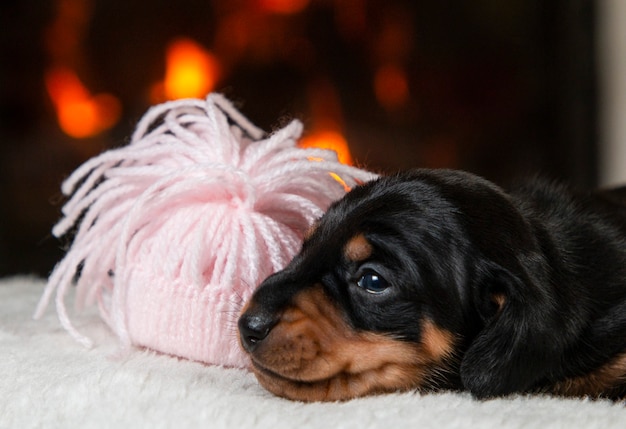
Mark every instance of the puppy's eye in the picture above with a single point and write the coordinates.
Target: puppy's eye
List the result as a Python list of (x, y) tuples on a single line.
[(373, 283)]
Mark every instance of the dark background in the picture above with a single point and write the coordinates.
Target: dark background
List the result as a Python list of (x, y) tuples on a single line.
[(503, 89)]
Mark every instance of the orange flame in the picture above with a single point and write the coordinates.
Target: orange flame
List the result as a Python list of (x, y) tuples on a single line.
[(329, 140), (326, 118), (79, 113), (191, 71)]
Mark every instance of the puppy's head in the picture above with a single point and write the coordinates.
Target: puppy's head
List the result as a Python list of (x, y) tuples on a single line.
[(380, 298)]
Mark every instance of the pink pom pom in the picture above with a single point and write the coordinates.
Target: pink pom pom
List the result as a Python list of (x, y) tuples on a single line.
[(174, 231)]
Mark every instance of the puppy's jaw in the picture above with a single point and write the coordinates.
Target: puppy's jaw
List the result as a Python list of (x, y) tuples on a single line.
[(313, 355)]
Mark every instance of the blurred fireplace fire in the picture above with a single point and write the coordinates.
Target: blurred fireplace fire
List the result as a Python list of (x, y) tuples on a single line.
[(80, 114), (502, 89), (191, 71)]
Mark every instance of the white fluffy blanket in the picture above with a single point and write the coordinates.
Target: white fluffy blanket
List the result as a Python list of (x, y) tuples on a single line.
[(47, 380)]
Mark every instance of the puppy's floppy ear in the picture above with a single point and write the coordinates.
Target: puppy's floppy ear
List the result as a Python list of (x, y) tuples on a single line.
[(511, 352)]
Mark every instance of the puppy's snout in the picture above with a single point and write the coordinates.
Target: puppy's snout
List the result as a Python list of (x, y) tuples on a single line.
[(254, 327)]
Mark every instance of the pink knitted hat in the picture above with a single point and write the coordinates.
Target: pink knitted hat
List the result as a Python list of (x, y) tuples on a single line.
[(173, 232)]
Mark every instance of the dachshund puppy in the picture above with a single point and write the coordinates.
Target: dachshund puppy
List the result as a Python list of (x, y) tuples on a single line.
[(438, 279)]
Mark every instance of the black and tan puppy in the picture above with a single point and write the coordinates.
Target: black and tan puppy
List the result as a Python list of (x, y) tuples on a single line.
[(438, 279)]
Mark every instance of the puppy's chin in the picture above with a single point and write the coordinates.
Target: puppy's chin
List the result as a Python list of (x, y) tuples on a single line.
[(313, 355), (341, 386)]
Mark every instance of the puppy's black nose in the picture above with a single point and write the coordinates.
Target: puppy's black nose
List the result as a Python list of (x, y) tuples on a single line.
[(253, 328)]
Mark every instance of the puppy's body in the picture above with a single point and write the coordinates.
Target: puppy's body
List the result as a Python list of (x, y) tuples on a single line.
[(438, 279)]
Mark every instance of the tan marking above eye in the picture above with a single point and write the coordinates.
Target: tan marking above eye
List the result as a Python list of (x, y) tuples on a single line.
[(312, 354), (358, 249)]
